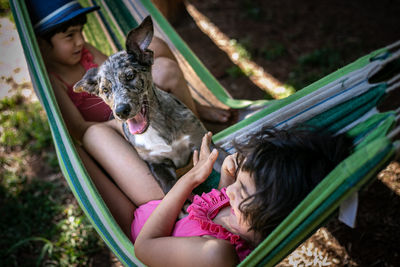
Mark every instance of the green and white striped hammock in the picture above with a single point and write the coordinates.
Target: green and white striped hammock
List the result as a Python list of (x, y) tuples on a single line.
[(344, 101)]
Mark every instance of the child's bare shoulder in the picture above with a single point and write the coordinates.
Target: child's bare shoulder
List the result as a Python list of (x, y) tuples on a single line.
[(56, 83), (98, 56)]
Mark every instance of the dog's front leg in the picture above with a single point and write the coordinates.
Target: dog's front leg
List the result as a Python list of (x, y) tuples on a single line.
[(165, 175)]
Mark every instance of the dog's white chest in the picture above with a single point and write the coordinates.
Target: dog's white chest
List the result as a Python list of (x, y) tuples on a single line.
[(178, 151)]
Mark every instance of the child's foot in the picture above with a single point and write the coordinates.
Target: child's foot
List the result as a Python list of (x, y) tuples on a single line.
[(213, 114)]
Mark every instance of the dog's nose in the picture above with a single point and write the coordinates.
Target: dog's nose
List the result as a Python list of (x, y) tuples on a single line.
[(123, 110)]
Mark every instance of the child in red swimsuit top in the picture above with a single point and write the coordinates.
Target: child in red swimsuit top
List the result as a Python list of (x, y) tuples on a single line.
[(92, 107)]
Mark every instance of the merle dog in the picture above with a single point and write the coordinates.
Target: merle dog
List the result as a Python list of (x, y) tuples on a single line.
[(162, 129)]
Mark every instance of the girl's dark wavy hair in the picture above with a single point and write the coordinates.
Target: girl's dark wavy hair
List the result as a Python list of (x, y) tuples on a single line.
[(78, 20), (285, 165)]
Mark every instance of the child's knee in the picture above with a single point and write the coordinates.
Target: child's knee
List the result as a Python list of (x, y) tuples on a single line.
[(166, 74), (160, 49)]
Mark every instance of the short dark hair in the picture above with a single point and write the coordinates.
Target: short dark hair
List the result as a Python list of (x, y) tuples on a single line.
[(286, 165), (78, 20)]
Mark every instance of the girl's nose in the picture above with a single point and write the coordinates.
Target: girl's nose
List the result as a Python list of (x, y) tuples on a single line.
[(79, 40)]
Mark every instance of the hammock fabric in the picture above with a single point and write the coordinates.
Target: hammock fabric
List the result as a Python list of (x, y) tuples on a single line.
[(344, 101)]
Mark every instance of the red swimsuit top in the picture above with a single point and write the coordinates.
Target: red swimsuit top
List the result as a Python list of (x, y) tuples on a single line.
[(92, 107)]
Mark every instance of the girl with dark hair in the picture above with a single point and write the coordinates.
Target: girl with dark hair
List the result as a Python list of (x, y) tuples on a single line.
[(260, 185)]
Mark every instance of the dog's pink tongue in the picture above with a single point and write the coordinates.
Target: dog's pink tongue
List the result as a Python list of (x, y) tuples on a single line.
[(137, 124)]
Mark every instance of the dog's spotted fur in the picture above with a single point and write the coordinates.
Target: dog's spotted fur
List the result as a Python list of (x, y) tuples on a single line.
[(125, 83)]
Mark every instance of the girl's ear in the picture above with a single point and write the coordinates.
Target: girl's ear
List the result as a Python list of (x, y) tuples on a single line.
[(44, 47), (89, 83)]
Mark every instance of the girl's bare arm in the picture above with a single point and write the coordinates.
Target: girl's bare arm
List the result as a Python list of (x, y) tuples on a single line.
[(154, 245), (76, 124)]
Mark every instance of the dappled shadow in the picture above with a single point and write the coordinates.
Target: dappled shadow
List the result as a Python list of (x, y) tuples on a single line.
[(216, 61), (376, 239), (296, 42)]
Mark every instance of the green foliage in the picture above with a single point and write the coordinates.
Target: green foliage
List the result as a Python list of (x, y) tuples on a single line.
[(325, 58), (77, 238), (35, 225), (241, 48), (273, 51), (251, 10), (313, 66), (5, 10), (23, 125), (38, 226), (235, 71), (4, 6), (27, 212)]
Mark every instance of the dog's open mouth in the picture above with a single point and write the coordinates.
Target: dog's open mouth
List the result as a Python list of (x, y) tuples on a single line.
[(140, 122)]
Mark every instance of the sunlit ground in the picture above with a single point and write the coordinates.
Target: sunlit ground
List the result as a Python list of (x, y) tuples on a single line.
[(13, 68), (240, 56)]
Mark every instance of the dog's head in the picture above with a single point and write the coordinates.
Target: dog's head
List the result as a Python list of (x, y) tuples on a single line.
[(124, 80)]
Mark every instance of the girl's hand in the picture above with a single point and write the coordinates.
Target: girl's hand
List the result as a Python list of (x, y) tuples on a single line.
[(228, 171), (203, 162), (229, 166)]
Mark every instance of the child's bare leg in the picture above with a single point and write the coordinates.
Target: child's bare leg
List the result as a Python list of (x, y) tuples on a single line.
[(168, 76), (119, 205), (122, 163)]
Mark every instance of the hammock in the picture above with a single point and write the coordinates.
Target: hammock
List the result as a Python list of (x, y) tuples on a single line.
[(344, 101)]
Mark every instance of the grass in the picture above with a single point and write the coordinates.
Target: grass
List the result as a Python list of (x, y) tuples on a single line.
[(40, 223), (273, 50), (312, 66), (251, 10)]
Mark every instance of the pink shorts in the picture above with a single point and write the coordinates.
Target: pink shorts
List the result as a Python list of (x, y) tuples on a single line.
[(141, 214)]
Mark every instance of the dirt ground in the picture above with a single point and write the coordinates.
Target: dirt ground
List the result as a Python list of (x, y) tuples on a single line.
[(344, 29)]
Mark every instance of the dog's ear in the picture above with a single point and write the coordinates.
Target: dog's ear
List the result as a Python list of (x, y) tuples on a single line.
[(141, 36), (139, 39), (88, 83)]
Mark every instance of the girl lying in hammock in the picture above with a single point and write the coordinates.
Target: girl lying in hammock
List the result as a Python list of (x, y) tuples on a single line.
[(259, 187)]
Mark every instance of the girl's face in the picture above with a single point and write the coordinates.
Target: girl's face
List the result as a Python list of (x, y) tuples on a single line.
[(242, 188), (66, 47)]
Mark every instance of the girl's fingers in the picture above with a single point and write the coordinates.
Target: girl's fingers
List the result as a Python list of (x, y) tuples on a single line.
[(205, 167), (205, 145), (214, 155), (195, 157)]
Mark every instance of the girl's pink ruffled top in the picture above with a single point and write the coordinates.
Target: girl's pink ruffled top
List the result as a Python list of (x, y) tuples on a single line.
[(92, 107), (199, 222)]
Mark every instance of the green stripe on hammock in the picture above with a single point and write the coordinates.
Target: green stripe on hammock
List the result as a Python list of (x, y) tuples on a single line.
[(278, 104)]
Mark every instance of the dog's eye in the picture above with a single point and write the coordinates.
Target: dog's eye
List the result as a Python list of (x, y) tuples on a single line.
[(129, 75), (105, 90)]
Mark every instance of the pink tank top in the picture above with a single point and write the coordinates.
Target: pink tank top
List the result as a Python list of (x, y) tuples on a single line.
[(92, 107), (199, 221)]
